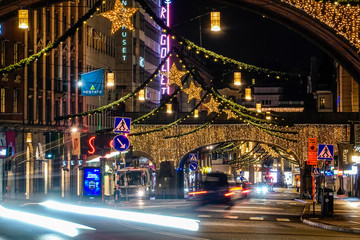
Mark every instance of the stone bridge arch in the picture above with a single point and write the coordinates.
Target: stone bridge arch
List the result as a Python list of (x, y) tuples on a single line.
[(174, 149)]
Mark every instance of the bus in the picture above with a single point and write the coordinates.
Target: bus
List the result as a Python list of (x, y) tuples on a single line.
[(137, 182)]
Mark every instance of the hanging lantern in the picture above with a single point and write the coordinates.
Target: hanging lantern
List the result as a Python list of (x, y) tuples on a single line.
[(196, 113), (169, 108), (253, 81), (23, 18), (258, 107), (142, 95), (268, 116), (237, 78), (110, 79), (215, 21), (248, 93), (28, 137)]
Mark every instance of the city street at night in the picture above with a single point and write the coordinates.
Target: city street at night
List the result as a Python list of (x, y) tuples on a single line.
[(179, 119), (274, 217)]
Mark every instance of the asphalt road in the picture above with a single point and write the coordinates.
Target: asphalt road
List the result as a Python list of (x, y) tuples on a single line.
[(274, 217)]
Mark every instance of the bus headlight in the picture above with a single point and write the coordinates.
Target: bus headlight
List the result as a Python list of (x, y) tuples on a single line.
[(140, 193)]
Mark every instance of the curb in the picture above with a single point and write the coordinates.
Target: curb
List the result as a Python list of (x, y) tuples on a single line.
[(323, 225), (329, 227)]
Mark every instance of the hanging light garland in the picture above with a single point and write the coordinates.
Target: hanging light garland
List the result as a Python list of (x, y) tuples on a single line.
[(194, 130), (170, 124), (117, 102), (70, 32)]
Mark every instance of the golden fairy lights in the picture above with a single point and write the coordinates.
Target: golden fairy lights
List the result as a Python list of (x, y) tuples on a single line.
[(175, 75), (120, 17), (344, 19), (212, 106), (193, 92)]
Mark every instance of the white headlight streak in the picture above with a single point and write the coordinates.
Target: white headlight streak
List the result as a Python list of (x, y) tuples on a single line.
[(175, 222), (57, 225)]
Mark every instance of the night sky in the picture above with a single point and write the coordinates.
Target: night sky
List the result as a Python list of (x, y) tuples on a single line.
[(246, 37)]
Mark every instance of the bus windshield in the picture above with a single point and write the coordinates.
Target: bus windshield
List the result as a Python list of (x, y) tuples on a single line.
[(134, 178)]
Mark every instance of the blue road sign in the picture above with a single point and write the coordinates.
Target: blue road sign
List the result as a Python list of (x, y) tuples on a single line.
[(122, 125), (121, 143), (316, 171), (325, 152), (193, 166), (193, 157)]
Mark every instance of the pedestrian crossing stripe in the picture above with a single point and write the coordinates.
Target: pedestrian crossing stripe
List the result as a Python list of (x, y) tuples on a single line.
[(122, 126), (325, 153)]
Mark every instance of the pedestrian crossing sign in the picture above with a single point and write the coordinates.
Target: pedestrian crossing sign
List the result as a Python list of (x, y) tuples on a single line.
[(122, 125), (316, 171), (325, 152), (193, 157)]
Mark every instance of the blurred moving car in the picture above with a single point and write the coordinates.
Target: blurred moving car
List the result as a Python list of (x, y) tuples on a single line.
[(215, 190), (241, 189), (261, 189)]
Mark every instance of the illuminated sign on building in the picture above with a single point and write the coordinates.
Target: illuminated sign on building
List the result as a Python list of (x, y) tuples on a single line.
[(165, 47), (124, 34)]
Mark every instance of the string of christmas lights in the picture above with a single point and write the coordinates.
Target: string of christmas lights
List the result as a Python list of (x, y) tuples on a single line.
[(70, 32), (117, 102), (194, 130), (170, 124)]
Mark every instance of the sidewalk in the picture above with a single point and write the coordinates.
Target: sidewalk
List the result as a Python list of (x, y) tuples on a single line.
[(346, 216)]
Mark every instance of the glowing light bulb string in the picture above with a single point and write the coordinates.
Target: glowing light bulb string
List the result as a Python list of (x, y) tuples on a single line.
[(171, 124), (70, 32), (248, 118), (123, 99)]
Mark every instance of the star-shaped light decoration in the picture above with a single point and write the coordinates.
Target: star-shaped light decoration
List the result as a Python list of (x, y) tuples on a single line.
[(212, 106), (230, 114), (193, 92), (120, 17), (174, 75)]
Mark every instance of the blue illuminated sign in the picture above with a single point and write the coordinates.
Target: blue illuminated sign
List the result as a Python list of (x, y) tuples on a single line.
[(93, 83), (92, 182)]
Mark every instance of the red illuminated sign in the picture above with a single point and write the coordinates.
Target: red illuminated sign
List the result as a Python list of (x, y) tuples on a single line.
[(91, 145)]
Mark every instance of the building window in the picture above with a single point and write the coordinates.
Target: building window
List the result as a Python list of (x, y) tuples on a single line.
[(3, 97), (322, 102), (16, 100), (16, 52)]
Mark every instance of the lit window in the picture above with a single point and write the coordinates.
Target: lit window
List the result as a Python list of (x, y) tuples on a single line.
[(16, 52), (322, 102), (16, 100), (3, 53), (3, 97)]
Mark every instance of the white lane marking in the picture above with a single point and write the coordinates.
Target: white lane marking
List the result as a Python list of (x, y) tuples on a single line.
[(203, 216), (250, 212), (162, 233), (257, 218), (232, 217), (283, 219), (354, 222)]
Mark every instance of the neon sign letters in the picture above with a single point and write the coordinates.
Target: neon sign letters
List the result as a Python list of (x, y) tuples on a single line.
[(91, 145), (165, 47), (124, 40)]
